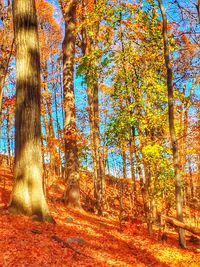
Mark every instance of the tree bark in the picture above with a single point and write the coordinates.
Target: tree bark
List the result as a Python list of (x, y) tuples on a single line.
[(175, 222), (48, 101), (147, 199), (48, 118), (93, 113), (27, 195), (124, 173), (72, 196), (132, 171), (5, 59), (198, 9), (176, 160)]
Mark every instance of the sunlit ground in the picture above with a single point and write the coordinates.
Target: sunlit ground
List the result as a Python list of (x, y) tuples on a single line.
[(25, 242)]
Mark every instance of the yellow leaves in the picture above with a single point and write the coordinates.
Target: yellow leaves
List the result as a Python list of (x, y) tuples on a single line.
[(131, 6), (53, 141), (153, 151), (128, 23), (105, 34), (70, 136), (46, 94), (106, 89)]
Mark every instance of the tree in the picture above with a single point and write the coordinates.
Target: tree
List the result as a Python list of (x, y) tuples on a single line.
[(139, 103), (50, 37), (198, 9), (90, 16), (27, 195), (174, 143), (6, 47), (70, 129)]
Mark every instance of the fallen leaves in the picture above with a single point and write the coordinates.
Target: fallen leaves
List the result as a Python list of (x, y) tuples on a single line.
[(83, 239)]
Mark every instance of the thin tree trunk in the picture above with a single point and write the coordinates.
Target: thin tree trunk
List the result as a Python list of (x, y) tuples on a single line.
[(134, 194), (70, 129), (93, 112), (124, 163), (3, 74), (5, 58), (191, 181), (176, 160), (8, 136), (147, 199), (48, 101), (198, 9), (49, 119), (27, 195), (58, 133)]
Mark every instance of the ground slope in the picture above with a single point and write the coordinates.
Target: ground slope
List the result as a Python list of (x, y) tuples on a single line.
[(83, 239)]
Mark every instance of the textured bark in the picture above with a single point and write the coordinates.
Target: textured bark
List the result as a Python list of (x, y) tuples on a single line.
[(93, 113), (147, 199), (48, 118), (176, 160), (124, 162), (58, 168), (27, 195), (198, 9), (48, 102), (72, 196), (192, 195), (133, 171), (175, 222)]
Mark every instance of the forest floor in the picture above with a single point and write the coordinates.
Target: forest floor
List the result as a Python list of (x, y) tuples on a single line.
[(83, 239)]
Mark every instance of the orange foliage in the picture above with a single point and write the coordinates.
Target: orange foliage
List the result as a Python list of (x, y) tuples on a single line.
[(50, 33), (106, 89), (28, 243)]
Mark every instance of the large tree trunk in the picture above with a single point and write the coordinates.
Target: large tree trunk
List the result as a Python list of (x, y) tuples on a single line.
[(27, 195), (71, 148), (176, 161)]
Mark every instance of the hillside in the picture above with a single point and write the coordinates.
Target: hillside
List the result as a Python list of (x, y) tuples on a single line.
[(81, 238)]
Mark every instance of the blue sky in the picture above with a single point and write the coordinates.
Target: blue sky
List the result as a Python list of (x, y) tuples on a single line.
[(174, 14)]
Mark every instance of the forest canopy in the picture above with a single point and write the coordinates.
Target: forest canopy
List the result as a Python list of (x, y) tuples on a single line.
[(106, 91)]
